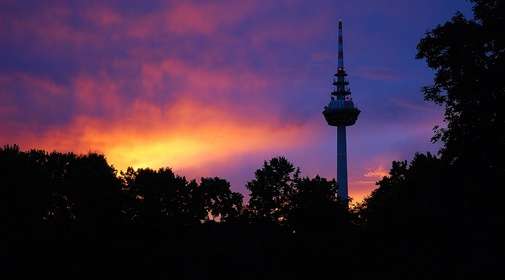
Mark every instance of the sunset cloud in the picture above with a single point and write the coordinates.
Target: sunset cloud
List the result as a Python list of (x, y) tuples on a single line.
[(185, 135), (377, 173)]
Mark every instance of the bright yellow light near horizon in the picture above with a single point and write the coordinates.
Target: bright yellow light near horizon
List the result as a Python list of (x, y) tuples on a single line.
[(185, 148), (184, 137), (187, 136), (154, 154)]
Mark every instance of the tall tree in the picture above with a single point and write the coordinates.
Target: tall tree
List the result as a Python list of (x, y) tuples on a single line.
[(271, 190), (468, 57), (456, 198)]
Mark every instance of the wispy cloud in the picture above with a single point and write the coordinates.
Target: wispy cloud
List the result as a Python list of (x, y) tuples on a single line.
[(376, 173), (377, 74)]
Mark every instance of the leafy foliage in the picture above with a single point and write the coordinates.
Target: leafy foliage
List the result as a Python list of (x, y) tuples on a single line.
[(272, 189), (218, 200), (409, 196), (468, 57)]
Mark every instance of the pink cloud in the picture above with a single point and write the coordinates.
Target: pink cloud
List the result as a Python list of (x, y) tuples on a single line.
[(376, 173), (48, 27), (37, 86), (94, 93), (200, 80), (103, 16), (41, 93), (204, 18)]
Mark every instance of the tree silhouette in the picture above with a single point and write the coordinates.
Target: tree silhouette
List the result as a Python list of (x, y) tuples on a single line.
[(409, 196), (424, 211), (24, 193), (218, 200), (314, 206), (468, 57), (163, 196), (93, 188), (272, 189)]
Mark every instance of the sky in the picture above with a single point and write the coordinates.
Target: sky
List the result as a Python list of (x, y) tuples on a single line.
[(215, 88)]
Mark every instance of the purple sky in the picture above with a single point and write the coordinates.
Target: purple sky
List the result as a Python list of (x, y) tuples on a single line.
[(213, 88)]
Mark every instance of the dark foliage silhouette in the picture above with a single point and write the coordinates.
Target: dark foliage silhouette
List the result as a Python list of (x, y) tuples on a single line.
[(218, 201), (314, 207), (445, 213), (162, 196), (75, 210), (272, 189)]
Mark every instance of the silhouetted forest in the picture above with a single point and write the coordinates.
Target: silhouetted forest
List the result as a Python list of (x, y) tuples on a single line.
[(74, 216)]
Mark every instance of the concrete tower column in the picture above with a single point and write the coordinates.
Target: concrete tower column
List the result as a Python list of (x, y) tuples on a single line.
[(342, 164)]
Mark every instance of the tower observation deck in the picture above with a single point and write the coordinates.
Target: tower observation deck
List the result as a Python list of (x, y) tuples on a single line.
[(341, 112)]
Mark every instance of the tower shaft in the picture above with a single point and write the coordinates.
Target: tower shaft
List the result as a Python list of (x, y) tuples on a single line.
[(342, 164), (341, 131)]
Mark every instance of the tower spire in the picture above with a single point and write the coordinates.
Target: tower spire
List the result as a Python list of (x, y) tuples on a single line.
[(341, 84), (340, 46)]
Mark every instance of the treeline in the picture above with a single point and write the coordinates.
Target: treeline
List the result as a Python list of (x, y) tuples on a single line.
[(49, 190), (56, 201), (74, 216)]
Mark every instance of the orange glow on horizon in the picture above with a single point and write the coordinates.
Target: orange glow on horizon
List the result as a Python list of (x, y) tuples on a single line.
[(186, 135)]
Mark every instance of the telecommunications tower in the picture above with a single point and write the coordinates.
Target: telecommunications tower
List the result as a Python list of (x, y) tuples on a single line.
[(341, 112)]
